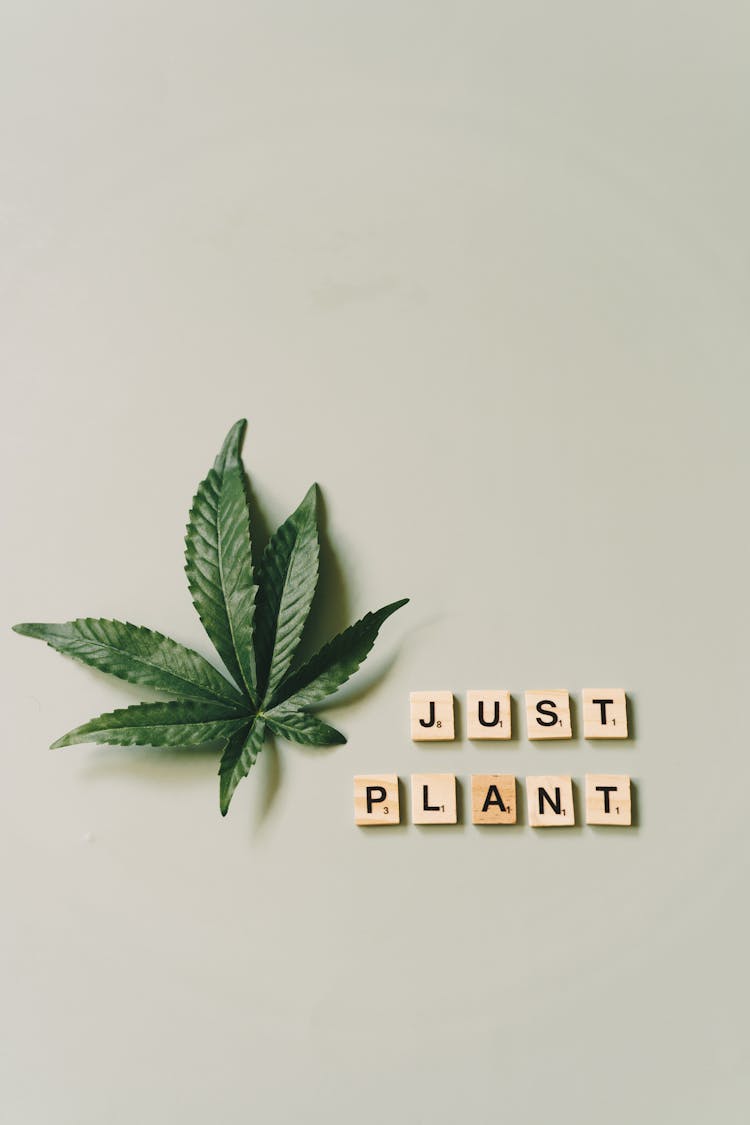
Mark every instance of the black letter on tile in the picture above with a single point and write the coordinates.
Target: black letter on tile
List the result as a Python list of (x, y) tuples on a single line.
[(551, 715), (371, 798), (603, 709), (495, 718), (555, 805), (606, 790), (425, 799), (493, 798), (431, 721)]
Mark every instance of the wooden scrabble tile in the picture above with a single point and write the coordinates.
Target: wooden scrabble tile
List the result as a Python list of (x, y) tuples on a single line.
[(493, 798), (608, 798), (376, 799), (548, 714), (433, 798), (431, 716), (605, 713), (550, 802), (488, 714)]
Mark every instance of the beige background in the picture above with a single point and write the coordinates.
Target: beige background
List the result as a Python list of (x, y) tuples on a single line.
[(482, 271)]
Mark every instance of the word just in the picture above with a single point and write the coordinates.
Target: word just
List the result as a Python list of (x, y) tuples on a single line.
[(488, 714), (550, 800)]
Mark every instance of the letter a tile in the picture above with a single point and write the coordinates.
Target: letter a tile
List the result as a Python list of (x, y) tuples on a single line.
[(433, 798), (605, 713), (376, 799), (550, 802), (548, 714), (488, 714), (608, 799), (493, 798), (431, 716)]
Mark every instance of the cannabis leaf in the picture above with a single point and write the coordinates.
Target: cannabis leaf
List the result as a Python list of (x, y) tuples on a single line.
[(255, 625)]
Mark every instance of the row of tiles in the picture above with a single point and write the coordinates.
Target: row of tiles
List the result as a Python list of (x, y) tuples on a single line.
[(488, 714), (493, 799)]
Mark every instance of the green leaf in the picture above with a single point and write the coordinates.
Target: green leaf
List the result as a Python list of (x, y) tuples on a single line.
[(239, 756), (219, 564), (288, 577), (298, 726), (256, 630), (333, 664), (159, 724), (141, 656)]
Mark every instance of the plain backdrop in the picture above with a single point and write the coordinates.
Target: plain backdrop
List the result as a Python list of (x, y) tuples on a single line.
[(481, 270)]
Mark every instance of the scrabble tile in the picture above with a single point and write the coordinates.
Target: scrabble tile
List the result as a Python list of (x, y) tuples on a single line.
[(431, 716), (605, 713), (376, 799), (433, 798), (548, 714), (608, 798), (488, 714), (550, 802), (493, 798)]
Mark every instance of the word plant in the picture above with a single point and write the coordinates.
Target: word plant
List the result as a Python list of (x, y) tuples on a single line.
[(550, 801)]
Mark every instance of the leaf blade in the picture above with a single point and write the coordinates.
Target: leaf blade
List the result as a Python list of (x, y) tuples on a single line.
[(158, 724), (219, 564), (288, 578), (237, 573), (136, 654), (239, 756), (302, 727), (333, 664)]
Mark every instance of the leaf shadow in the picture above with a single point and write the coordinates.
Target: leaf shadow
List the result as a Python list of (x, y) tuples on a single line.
[(260, 529), (364, 683), (151, 761), (270, 773)]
